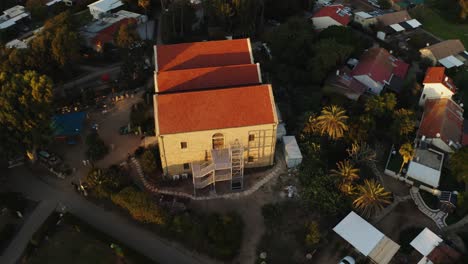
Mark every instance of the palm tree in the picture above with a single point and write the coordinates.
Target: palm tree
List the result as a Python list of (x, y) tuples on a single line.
[(145, 5), (371, 198), (407, 152), (332, 122), (361, 153), (346, 171)]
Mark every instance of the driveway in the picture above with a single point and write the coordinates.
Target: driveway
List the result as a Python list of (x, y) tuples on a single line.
[(123, 230)]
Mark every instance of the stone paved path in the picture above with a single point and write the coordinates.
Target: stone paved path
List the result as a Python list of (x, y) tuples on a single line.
[(279, 167), (437, 216)]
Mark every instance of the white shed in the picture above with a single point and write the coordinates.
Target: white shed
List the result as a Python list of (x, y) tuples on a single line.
[(366, 239), (292, 152), (103, 7)]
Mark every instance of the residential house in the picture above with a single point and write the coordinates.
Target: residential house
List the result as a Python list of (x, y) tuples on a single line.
[(333, 15), (377, 69), (23, 42), (12, 16), (52, 2), (433, 249), (395, 22), (102, 31), (102, 8), (364, 19), (426, 165), (437, 85), (369, 241), (449, 53), (213, 115), (442, 124)]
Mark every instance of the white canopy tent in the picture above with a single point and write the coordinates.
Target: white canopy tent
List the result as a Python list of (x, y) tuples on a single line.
[(423, 174), (366, 238)]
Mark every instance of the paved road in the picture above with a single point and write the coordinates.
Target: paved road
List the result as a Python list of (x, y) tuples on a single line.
[(94, 75), (17, 246), (123, 230)]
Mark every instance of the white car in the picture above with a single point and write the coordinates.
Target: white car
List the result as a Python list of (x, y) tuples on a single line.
[(347, 260)]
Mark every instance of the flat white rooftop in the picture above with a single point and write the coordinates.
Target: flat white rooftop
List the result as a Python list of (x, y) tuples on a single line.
[(425, 242), (106, 5)]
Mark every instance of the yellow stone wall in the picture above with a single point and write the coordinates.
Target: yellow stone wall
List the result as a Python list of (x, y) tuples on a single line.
[(173, 157)]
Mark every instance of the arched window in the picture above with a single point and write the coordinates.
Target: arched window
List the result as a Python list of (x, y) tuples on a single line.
[(218, 141)]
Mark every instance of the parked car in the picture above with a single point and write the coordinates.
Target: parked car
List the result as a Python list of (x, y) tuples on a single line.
[(347, 260), (48, 158), (123, 130)]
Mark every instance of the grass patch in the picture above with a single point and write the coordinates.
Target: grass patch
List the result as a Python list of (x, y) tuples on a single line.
[(74, 241), (431, 200), (83, 18), (436, 24), (395, 162)]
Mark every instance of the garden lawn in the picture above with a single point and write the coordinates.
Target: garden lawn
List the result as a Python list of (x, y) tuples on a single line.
[(75, 242), (395, 162), (433, 22)]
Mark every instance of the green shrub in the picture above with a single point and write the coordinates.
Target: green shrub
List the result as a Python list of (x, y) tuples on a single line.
[(313, 234), (148, 162), (97, 149), (272, 214), (13, 201), (140, 206), (406, 236)]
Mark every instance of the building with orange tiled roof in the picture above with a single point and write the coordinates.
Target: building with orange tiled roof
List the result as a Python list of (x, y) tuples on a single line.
[(213, 115), (442, 124), (437, 85)]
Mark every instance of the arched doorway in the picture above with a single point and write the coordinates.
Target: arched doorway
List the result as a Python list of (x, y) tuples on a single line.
[(218, 141)]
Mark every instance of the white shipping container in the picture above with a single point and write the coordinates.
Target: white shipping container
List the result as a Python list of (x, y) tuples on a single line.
[(292, 152)]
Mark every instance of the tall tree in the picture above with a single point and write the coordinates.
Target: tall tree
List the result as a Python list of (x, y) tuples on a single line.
[(361, 152), (407, 152), (37, 8), (463, 8), (332, 122), (371, 198), (403, 124), (348, 174), (127, 36), (346, 171), (459, 164), (145, 4), (26, 109), (382, 105)]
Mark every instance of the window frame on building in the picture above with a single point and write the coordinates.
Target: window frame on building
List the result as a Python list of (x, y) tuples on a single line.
[(183, 145)]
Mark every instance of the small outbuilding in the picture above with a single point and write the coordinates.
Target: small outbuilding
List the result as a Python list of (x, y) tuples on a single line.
[(292, 152), (366, 239)]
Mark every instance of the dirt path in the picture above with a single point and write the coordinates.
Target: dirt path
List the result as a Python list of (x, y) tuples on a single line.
[(250, 208)]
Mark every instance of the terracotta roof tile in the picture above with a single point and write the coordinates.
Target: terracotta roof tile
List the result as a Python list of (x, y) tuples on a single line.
[(208, 78), (215, 109), (203, 54), (333, 11), (375, 63), (437, 75), (444, 117), (379, 65)]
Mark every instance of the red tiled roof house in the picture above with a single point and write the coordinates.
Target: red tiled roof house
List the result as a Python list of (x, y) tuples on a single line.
[(378, 68), (437, 85), (213, 115), (333, 15), (442, 124)]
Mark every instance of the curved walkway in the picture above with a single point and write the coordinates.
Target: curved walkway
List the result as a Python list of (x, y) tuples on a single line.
[(437, 216), (108, 222), (279, 167)]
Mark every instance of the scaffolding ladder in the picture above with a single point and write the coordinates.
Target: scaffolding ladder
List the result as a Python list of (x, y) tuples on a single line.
[(237, 166)]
